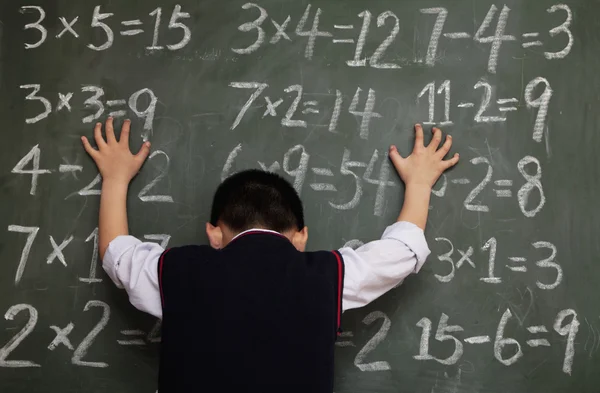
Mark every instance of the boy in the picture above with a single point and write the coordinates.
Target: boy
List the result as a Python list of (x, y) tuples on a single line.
[(254, 312)]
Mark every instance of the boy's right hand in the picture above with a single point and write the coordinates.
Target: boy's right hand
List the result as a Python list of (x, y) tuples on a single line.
[(426, 163), (115, 161)]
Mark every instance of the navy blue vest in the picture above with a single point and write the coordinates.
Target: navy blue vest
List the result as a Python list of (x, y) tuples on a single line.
[(257, 316)]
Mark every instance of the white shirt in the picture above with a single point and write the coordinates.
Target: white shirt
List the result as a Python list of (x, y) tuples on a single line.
[(370, 271)]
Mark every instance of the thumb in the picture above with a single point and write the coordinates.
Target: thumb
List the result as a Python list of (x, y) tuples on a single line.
[(143, 153), (396, 158)]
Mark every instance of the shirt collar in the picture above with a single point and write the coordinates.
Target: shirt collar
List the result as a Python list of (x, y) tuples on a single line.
[(256, 230)]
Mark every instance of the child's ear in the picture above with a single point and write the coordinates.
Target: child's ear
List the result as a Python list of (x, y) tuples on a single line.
[(299, 239), (215, 236)]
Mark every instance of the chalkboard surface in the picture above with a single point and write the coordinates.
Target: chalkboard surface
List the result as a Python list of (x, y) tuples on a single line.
[(508, 301)]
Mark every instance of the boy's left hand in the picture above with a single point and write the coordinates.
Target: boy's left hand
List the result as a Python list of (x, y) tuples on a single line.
[(113, 158)]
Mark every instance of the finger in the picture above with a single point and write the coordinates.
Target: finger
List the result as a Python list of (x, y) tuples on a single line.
[(445, 147), (451, 162), (124, 137), (98, 136), (143, 153), (88, 148), (418, 136), (110, 131), (395, 157), (436, 140)]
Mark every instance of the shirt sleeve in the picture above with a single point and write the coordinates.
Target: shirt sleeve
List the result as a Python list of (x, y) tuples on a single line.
[(133, 265), (378, 266)]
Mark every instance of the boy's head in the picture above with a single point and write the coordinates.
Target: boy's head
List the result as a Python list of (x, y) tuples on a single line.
[(256, 199)]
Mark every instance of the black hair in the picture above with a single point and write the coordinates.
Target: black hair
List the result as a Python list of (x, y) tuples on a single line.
[(255, 198)]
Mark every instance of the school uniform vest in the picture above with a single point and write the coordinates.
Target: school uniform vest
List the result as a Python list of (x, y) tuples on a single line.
[(257, 316)]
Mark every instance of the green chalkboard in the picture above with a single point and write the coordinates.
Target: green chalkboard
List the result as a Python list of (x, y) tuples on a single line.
[(316, 91)]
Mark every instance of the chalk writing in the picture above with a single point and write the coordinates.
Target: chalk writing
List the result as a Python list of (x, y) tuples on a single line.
[(456, 258), (486, 34), (94, 261), (61, 338), (290, 119), (502, 187), (501, 343), (14, 342), (94, 102), (31, 235), (347, 168), (373, 342), (99, 21), (93, 187), (33, 157), (503, 105)]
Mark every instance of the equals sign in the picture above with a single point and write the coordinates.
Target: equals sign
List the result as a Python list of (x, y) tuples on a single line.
[(323, 186), (503, 193), (504, 101), (118, 113), (135, 341), (345, 343), (531, 43), (538, 342), (307, 106), (135, 22), (343, 41), (521, 269)]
